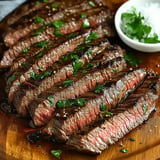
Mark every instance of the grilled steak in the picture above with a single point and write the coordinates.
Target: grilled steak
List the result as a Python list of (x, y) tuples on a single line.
[(136, 109), (49, 15), (111, 97), (54, 54), (62, 71), (95, 17)]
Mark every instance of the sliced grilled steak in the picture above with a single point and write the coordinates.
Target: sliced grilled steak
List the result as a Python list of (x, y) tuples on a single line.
[(96, 17), (111, 97), (138, 107), (25, 9), (24, 29), (60, 73), (54, 54), (43, 112)]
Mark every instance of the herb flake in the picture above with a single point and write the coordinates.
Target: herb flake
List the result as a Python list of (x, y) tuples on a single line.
[(54, 5), (86, 24), (124, 150), (80, 102), (132, 59), (145, 107), (56, 153), (132, 139), (50, 99), (103, 107), (12, 78), (67, 83), (92, 3), (76, 66), (38, 19), (99, 88), (25, 50)]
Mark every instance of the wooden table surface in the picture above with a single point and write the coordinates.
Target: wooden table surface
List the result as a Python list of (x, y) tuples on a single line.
[(13, 132)]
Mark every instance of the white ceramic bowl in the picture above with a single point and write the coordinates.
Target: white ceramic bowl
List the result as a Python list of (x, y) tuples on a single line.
[(144, 47)]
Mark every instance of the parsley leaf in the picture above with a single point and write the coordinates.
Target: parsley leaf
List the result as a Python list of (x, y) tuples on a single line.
[(39, 31), (124, 150), (56, 153), (80, 102), (57, 25), (12, 78), (92, 3), (67, 83), (91, 37), (37, 2), (63, 103), (38, 19), (25, 50), (40, 54), (42, 44), (54, 5), (76, 66), (145, 107), (83, 15), (99, 88), (132, 59), (86, 24), (45, 0), (103, 107), (50, 99)]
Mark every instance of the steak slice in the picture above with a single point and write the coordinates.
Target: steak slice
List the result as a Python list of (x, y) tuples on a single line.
[(111, 96), (23, 97), (95, 17), (136, 109), (53, 55), (23, 10), (24, 29), (42, 113)]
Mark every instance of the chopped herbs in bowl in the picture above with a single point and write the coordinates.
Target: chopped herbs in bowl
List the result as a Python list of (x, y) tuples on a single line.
[(137, 24)]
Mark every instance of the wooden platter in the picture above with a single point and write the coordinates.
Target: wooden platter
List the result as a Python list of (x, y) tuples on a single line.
[(15, 146)]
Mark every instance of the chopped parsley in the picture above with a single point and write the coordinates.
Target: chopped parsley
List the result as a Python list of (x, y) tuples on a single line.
[(54, 5), (132, 59), (56, 153), (86, 23), (114, 70), (39, 31), (71, 35), (80, 102), (37, 2), (89, 65), (83, 15), (12, 78), (57, 25), (42, 44), (132, 139), (25, 50), (99, 88), (92, 3), (103, 107), (67, 83), (45, 0), (38, 19), (145, 107), (36, 76), (63, 103), (133, 25), (69, 57), (108, 113), (40, 54), (124, 150), (76, 66), (91, 37), (50, 99)]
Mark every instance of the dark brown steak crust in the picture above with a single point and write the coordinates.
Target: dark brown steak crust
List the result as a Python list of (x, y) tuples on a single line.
[(135, 110)]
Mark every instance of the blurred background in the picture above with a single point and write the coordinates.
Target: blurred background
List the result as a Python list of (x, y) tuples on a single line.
[(6, 6)]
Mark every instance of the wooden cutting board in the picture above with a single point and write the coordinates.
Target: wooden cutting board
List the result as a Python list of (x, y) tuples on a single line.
[(13, 131)]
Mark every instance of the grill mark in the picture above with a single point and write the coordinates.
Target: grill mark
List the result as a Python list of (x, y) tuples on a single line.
[(12, 37), (115, 128), (60, 75), (53, 55), (69, 27), (80, 87), (61, 129)]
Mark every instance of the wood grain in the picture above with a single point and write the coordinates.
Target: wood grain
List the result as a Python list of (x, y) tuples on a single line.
[(13, 130)]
